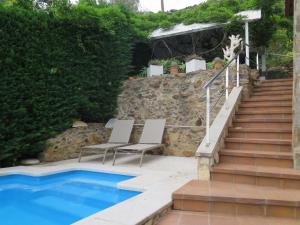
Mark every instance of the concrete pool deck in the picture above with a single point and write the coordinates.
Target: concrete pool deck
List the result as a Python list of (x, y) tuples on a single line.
[(159, 177)]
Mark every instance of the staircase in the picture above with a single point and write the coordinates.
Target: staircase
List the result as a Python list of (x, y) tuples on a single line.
[(254, 182)]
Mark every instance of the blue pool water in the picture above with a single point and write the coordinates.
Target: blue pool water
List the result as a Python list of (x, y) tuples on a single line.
[(58, 199)]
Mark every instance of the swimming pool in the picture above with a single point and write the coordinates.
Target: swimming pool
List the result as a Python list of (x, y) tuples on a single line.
[(58, 199)]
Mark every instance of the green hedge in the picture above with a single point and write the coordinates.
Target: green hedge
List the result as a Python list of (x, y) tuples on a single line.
[(57, 68)]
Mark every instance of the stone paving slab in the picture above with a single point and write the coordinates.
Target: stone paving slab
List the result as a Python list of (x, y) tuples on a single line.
[(159, 177)]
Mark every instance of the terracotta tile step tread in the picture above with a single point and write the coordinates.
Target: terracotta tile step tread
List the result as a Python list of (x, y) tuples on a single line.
[(257, 154), (275, 85), (286, 89), (272, 89), (178, 217), (259, 130), (263, 120), (277, 80), (266, 104), (217, 191), (258, 171), (259, 141), (277, 98), (272, 93), (269, 99), (265, 112), (261, 106)]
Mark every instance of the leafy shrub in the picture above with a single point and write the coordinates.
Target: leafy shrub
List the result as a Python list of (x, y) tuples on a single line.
[(57, 67)]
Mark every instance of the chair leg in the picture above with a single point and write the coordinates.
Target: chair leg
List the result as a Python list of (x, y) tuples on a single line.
[(104, 157), (80, 154), (142, 157), (115, 155)]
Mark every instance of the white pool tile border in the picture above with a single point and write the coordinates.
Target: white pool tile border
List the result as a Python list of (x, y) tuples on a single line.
[(156, 187)]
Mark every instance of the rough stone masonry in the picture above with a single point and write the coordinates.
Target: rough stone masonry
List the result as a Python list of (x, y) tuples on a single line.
[(180, 99)]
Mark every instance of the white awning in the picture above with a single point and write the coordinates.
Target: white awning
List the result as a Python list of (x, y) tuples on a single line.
[(181, 29)]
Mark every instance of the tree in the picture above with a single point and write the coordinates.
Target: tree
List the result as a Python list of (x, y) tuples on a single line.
[(130, 4)]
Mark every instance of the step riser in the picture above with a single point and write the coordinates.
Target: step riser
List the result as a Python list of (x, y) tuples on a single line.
[(264, 116), (263, 125), (278, 136), (256, 180), (283, 163), (237, 209), (262, 147)]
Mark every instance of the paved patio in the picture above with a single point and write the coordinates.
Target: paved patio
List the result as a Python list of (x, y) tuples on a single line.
[(159, 177)]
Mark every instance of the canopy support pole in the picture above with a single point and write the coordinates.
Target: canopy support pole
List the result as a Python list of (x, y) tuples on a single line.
[(247, 43)]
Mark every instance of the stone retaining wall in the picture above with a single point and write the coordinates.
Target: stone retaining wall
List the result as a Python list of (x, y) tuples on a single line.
[(68, 144), (180, 99)]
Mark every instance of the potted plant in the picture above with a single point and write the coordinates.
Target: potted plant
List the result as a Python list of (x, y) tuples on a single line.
[(155, 68), (130, 78), (195, 63), (174, 68)]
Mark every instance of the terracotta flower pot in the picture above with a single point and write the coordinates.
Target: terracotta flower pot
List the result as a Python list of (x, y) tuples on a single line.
[(130, 78), (174, 69)]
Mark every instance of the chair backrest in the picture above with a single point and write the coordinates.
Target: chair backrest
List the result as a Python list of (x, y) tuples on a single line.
[(153, 131), (121, 131)]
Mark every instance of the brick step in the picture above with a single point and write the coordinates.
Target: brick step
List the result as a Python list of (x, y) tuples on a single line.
[(250, 114), (258, 144), (276, 84), (272, 93), (256, 158), (264, 89), (263, 123), (179, 217), (263, 133), (237, 199), (270, 98), (286, 178)]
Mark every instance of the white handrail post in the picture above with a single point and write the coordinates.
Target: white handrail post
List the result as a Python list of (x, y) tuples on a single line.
[(207, 115), (247, 44), (238, 71), (257, 61), (227, 82)]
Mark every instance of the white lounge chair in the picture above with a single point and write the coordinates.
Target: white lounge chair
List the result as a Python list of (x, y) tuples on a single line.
[(119, 137), (151, 139)]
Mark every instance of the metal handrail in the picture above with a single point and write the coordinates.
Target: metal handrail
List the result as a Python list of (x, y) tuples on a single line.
[(208, 83)]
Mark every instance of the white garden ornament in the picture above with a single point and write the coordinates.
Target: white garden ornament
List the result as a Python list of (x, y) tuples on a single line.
[(229, 52)]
